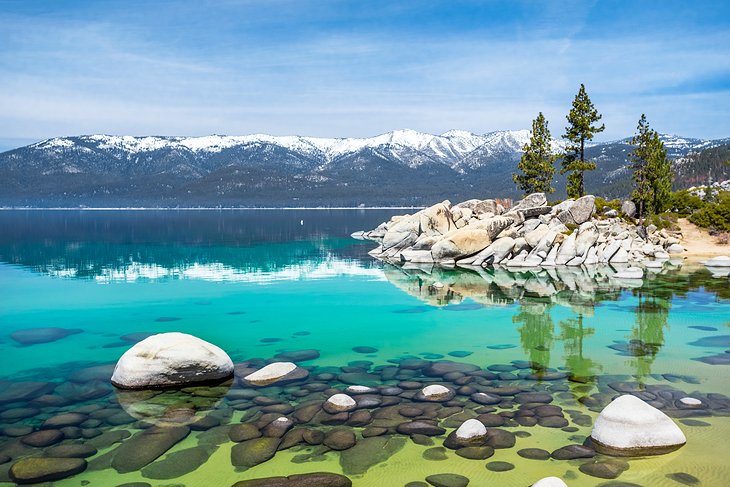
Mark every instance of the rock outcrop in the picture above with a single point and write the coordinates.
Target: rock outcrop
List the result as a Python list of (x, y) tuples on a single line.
[(171, 360), (529, 234)]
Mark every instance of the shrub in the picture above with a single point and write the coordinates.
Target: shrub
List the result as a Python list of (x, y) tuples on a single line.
[(666, 221), (714, 215), (685, 203), (602, 204)]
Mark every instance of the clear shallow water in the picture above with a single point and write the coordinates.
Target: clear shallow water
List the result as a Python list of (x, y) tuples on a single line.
[(258, 283)]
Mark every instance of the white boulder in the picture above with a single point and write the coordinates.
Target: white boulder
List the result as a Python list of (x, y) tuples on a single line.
[(550, 482), (690, 401), (471, 428), (435, 393), (339, 403), (271, 373), (630, 427), (170, 360), (675, 249)]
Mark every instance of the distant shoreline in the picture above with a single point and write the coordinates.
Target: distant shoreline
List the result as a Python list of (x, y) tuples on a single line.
[(229, 208)]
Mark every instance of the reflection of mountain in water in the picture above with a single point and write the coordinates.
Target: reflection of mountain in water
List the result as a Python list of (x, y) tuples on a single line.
[(211, 245)]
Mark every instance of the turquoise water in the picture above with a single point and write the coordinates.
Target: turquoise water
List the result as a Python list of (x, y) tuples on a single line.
[(260, 283)]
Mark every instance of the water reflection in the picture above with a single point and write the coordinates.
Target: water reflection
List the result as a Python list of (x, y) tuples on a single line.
[(257, 246)]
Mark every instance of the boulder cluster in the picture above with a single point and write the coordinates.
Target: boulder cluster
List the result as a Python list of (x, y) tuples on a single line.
[(529, 234)]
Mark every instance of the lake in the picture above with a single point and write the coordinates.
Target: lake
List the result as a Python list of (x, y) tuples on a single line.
[(80, 287)]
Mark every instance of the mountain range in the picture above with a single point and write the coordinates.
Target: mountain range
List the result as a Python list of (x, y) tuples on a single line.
[(403, 167)]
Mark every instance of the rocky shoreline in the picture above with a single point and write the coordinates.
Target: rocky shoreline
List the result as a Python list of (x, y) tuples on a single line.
[(531, 233)]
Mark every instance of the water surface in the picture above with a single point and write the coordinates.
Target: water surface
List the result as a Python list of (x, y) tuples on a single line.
[(262, 283)]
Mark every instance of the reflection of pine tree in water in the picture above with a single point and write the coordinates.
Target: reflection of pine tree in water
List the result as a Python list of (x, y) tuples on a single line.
[(536, 333), (572, 334), (652, 315)]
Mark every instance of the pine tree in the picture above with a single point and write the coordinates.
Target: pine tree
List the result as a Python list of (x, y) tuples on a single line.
[(639, 160), (660, 175), (537, 160), (581, 118), (652, 170)]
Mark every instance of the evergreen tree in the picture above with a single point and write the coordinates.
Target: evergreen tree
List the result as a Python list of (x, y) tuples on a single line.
[(537, 160), (652, 170), (581, 128)]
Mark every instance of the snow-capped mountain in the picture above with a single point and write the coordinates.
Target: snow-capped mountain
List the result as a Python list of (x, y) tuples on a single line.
[(399, 167)]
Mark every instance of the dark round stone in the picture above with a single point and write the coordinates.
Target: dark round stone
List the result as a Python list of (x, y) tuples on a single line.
[(499, 466), (339, 439), (683, 478), (609, 469), (572, 452), (437, 453), (243, 432), (553, 422), (447, 480), (410, 411), (534, 454), (422, 427), (363, 349), (475, 452), (45, 469), (43, 438)]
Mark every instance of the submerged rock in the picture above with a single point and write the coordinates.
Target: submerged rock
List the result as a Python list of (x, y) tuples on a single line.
[(550, 482), (45, 469), (339, 403), (630, 427), (170, 360), (34, 336), (316, 479), (276, 373)]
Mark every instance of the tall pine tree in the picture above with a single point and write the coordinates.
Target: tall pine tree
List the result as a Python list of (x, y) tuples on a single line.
[(652, 170), (581, 129), (537, 160)]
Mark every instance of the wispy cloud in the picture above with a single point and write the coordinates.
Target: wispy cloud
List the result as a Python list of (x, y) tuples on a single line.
[(339, 69)]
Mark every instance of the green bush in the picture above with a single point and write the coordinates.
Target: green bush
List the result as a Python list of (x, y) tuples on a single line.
[(685, 203), (714, 215), (602, 204), (666, 221)]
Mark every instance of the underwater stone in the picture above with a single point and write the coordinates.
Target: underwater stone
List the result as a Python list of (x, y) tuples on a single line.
[(339, 403), (145, 447), (276, 373), (605, 469), (178, 463), (572, 452), (339, 439), (500, 466), (171, 359), (435, 393), (43, 438), (475, 452), (447, 480), (253, 452), (534, 454), (630, 427), (316, 479), (550, 482), (45, 469), (34, 336)]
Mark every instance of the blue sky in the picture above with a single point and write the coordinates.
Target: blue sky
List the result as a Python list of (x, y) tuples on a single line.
[(357, 68)]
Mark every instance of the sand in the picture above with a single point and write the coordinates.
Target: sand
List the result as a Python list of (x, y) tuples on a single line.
[(698, 242)]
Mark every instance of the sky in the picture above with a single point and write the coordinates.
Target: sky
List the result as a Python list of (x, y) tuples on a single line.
[(353, 68)]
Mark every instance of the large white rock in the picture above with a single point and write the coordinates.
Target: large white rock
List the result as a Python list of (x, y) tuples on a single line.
[(339, 403), (630, 427), (271, 373), (170, 360), (471, 428), (550, 482), (719, 261)]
